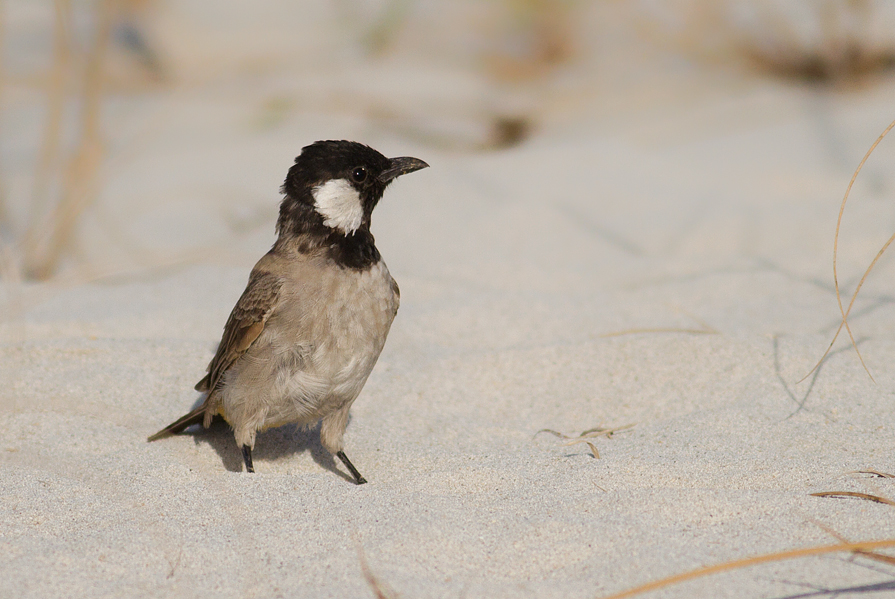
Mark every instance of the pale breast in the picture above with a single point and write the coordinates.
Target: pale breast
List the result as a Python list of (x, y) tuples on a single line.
[(318, 346), (354, 311)]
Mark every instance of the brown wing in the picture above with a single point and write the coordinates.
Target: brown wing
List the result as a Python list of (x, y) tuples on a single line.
[(244, 325)]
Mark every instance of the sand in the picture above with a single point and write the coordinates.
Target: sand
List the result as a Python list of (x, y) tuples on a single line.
[(667, 265)]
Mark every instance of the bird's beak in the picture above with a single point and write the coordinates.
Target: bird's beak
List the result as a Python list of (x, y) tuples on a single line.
[(401, 166)]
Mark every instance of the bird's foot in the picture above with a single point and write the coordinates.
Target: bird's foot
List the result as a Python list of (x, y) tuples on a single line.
[(247, 458), (357, 477)]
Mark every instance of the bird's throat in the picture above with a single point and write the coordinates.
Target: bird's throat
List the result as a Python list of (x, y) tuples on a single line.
[(339, 203)]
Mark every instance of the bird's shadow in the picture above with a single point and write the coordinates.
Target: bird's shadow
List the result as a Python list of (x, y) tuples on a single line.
[(273, 444)]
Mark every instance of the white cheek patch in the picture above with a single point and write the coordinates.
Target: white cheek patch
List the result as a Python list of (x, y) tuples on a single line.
[(339, 204)]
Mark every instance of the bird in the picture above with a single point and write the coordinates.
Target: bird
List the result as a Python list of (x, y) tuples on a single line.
[(309, 327)]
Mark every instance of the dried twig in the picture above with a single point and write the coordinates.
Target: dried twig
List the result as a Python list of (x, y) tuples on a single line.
[(861, 548)]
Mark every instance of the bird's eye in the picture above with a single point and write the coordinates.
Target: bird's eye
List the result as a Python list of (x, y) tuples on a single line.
[(359, 174)]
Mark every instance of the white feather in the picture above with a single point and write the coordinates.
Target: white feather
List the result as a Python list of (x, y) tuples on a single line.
[(339, 204)]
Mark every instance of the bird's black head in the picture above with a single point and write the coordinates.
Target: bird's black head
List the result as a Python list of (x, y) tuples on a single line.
[(341, 182), (330, 193)]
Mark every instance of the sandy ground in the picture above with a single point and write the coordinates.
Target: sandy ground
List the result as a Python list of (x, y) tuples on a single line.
[(662, 260)]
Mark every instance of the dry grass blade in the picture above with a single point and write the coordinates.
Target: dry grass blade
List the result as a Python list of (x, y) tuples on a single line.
[(843, 311), (593, 448), (879, 557), (604, 432), (379, 588), (552, 432), (588, 434), (866, 496), (585, 436), (874, 473), (862, 548), (704, 328)]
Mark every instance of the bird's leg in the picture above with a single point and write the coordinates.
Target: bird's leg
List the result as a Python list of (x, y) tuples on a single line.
[(247, 458), (357, 477)]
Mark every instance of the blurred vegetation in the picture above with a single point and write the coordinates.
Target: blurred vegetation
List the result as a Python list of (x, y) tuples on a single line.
[(836, 42), (516, 49)]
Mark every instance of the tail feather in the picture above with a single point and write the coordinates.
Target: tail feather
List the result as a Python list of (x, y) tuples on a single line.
[(194, 417)]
